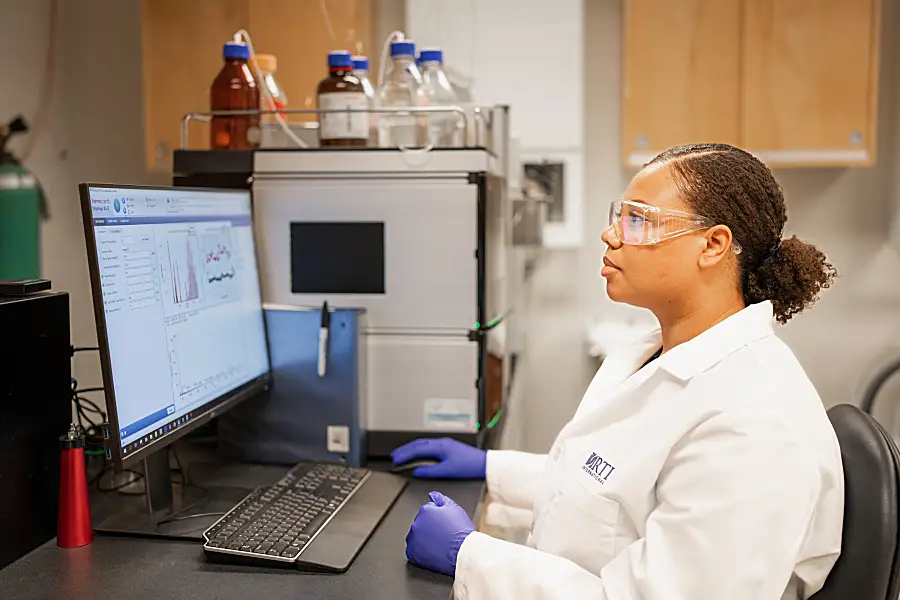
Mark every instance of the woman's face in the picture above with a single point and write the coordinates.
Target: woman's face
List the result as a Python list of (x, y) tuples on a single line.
[(658, 275)]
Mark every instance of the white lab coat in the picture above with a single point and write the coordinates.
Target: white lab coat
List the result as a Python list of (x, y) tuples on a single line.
[(712, 473)]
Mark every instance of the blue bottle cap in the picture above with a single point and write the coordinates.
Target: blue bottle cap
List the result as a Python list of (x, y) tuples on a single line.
[(360, 63), (404, 48), (236, 50), (431, 55), (340, 58)]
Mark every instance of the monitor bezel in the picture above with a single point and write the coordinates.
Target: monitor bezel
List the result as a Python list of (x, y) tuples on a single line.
[(208, 411)]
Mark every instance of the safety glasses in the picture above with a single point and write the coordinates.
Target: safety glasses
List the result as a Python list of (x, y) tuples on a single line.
[(641, 224)]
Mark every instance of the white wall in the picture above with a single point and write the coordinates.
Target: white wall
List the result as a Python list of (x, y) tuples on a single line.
[(95, 132)]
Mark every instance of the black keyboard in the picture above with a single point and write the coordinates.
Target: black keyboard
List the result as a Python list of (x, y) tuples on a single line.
[(278, 525)]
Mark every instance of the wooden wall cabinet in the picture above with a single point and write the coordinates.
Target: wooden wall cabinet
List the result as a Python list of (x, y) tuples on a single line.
[(793, 81), (182, 53)]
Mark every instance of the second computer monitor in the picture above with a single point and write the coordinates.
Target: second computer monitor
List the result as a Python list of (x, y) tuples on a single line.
[(178, 308)]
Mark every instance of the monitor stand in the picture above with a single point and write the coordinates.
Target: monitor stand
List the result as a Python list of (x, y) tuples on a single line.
[(147, 514)]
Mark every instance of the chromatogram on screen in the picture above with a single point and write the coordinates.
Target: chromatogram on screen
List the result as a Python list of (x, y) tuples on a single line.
[(182, 248)]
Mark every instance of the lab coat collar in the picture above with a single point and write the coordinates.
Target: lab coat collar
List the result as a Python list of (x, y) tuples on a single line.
[(697, 355)]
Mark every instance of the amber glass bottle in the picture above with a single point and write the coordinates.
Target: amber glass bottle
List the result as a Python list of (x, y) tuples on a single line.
[(342, 90), (234, 88)]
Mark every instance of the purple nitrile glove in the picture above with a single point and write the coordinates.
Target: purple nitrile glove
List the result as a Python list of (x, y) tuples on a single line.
[(437, 533), (458, 460)]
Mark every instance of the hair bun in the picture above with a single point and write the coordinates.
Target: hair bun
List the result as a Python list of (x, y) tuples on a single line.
[(791, 277)]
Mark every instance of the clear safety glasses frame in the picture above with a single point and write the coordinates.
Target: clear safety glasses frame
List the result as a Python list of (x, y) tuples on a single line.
[(638, 224)]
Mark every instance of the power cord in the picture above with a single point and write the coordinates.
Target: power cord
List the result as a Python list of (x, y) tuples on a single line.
[(86, 410), (173, 519), (136, 477)]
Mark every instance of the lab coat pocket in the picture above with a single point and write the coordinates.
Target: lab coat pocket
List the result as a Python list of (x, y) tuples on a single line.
[(579, 525)]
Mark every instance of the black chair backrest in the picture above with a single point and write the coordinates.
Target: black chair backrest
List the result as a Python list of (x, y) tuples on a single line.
[(869, 565)]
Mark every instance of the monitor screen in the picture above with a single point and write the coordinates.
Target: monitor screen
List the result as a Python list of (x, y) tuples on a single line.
[(181, 305)]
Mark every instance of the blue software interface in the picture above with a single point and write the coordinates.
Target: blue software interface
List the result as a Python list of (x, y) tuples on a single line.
[(181, 296)]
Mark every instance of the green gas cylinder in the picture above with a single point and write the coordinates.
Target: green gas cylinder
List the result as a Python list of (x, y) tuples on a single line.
[(22, 207), (20, 223)]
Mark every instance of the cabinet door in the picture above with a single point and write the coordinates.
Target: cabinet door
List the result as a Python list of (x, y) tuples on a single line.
[(681, 75), (182, 52), (810, 74)]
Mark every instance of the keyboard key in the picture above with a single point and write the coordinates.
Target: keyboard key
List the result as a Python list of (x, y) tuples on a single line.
[(291, 552)]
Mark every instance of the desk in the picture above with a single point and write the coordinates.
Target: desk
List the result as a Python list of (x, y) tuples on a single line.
[(128, 569)]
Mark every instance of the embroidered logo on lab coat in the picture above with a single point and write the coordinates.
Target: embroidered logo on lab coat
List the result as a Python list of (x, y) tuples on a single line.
[(598, 468)]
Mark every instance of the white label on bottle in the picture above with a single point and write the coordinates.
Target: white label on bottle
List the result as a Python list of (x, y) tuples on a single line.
[(343, 126), (449, 414)]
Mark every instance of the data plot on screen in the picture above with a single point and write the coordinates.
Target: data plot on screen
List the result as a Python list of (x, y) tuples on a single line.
[(203, 355), (218, 265), (179, 263)]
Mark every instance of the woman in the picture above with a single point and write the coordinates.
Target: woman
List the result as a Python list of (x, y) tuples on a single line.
[(700, 463)]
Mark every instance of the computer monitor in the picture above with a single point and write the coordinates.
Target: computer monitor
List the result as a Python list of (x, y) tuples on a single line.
[(179, 314)]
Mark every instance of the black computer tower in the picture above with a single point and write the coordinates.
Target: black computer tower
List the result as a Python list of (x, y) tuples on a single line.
[(35, 409)]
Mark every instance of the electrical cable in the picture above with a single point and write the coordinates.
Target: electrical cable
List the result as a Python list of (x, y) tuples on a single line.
[(138, 476), (186, 517), (90, 389), (91, 406)]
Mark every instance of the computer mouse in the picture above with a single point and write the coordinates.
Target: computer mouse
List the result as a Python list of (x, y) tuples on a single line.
[(413, 464)]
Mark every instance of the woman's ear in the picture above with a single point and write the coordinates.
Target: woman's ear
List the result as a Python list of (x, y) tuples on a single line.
[(718, 245)]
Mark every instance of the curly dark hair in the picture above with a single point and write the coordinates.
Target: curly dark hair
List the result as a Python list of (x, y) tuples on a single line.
[(736, 189)]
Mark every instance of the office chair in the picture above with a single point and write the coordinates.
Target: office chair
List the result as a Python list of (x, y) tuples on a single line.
[(869, 565)]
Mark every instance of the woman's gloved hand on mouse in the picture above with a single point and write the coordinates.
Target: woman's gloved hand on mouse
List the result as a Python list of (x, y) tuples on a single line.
[(457, 460)]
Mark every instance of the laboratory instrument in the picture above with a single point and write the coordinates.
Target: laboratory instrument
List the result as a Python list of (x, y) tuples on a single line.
[(419, 240), (305, 417)]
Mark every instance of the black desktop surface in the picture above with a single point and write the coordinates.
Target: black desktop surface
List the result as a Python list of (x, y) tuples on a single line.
[(120, 567)]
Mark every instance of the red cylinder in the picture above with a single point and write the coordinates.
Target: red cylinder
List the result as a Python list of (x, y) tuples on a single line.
[(74, 525)]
